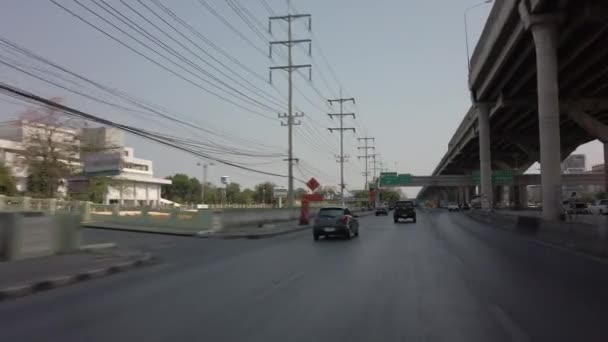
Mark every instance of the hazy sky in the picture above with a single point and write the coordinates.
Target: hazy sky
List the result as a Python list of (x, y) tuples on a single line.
[(403, 61)]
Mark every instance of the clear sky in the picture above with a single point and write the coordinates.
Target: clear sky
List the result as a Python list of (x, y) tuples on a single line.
[(404, 62)]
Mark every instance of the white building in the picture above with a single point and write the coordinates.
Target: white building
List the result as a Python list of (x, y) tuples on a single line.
[(10, 155), (17, 134), (95, 151), (132, 179)]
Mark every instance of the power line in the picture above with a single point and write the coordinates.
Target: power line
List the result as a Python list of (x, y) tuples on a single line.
[(256, 90), (151, 109), (137, 28), (19, 93), (154, 61), (230, 26)]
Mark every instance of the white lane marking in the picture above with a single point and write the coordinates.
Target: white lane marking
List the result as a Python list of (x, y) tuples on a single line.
[(515, 332)]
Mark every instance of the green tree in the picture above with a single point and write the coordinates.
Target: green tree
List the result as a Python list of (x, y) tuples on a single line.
[(247, 196), (194, 191), (180, 189), (95, 189), (233, 193), (390, 195), (50, 152), (264, 193), (212, 194), (8, 185)]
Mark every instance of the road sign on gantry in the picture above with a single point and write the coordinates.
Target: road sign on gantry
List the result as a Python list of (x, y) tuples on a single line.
[(394, 179), (312, 184)]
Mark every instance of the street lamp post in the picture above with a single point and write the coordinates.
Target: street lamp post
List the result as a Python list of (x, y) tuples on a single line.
[(466, 30), (205, 165)]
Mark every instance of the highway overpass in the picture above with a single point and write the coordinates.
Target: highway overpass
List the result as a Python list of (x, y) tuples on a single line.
[(539, 89), (520, 179)]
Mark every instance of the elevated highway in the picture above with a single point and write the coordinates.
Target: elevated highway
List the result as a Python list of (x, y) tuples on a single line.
[(539, 86)]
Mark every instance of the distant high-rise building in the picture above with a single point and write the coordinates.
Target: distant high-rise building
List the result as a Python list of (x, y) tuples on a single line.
[(575, 163), (599, 168)]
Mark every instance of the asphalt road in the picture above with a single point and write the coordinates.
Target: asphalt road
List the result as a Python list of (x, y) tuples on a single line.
[(445, 278)]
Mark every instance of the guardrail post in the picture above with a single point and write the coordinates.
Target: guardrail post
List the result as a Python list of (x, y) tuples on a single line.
[(26, 203), (85, 211), (52, 206)]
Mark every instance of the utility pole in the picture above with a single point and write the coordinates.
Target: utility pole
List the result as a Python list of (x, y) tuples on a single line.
[(290, 67), (205, 166), (374, 162), (341, 129), (366, 149)]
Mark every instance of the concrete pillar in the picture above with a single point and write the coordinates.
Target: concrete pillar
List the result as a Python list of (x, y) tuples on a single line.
[(461, 195), (545, 33), (497, 195), (605, 166), (485, 159), (467, 195), (523, 196)]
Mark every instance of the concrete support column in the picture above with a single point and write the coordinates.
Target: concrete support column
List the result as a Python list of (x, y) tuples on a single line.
[(545, 32), (485, 159), (605, 166), (467, 195), (523, 196), (497, 195)]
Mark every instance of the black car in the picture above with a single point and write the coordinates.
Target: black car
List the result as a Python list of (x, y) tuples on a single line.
[(335, 221), (404, 210), (381, 211)]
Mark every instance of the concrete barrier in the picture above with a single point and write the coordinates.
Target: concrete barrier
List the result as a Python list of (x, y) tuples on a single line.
[(574, 233), (30, 234)]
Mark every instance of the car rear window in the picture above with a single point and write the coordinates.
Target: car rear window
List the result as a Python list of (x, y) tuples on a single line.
[(331, 212), (405, 205)]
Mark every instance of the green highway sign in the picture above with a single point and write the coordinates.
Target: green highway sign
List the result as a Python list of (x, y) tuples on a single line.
[(498, 177), (394, 179)]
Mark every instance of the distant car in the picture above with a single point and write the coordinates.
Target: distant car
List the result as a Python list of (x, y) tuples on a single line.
[(335, 221), (599, 207), (381, 211), (572, 207), (404, 210), (453, 207)]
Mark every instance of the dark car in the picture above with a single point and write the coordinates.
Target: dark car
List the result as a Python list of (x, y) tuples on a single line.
[(335, 221), (404, 210), (381, 211)]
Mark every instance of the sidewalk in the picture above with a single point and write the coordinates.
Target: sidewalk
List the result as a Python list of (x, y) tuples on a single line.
[(24, 277)]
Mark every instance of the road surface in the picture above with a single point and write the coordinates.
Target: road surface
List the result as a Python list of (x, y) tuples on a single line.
[(446, 278)]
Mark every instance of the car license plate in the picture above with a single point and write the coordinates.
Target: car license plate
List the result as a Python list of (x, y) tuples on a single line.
[(330, 229)]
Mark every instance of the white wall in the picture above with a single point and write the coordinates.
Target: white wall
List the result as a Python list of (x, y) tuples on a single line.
[(134, 191)]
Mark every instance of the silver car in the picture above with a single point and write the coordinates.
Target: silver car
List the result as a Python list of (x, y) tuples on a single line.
[(335, 221)]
